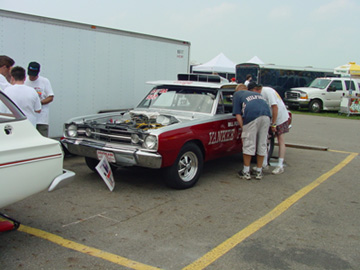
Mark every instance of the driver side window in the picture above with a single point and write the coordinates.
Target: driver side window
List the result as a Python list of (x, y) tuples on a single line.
[(336, 86), (225, 102)]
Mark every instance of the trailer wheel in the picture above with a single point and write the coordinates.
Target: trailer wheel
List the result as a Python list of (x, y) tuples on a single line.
[(315, 106), (186, 170)]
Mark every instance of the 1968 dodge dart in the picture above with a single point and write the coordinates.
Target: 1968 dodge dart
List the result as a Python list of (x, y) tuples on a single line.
[(177, 126)]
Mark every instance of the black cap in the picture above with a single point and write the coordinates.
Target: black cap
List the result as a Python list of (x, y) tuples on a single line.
[(33, 69), (252, 85)]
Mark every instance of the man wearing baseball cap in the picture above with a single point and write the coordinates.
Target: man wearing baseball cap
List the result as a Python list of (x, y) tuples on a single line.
[(43, 87)]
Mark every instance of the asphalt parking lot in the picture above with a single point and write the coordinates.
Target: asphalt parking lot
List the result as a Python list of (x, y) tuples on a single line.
[(306, 218)]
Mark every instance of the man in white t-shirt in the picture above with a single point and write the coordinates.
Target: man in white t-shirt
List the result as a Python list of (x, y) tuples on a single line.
[(279, 122), (23, 96), (43, 88), (5, 66)]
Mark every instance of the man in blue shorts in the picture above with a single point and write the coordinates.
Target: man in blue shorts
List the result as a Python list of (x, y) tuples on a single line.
[(253, 114)]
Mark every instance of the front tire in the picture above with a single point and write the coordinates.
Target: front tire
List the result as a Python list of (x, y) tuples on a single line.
[(315, 106), (187, 168), (91, 163)]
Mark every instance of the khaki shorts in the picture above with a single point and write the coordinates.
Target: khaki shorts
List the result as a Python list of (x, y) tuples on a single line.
[(254, 136)]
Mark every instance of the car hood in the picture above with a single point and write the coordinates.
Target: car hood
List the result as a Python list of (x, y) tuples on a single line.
[(306, 89), (138, 119)]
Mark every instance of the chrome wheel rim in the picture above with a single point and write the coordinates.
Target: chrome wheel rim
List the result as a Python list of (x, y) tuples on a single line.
[(188, 166)]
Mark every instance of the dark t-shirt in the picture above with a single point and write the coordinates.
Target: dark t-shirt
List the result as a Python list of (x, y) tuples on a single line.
[(250, 105)]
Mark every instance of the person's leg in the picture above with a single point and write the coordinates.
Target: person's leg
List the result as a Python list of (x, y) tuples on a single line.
[(280, 134), (263, 124), (245, 172), (259, 161), (248, 137), (247, 161), (282, 149)]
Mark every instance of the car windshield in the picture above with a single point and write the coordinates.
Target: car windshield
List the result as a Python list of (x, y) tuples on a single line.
[(8, 111), (320, 83), (180, 99)]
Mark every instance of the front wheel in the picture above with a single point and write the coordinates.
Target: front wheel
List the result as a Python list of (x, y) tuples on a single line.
[(315, 106), (186, 170), (91, 163)]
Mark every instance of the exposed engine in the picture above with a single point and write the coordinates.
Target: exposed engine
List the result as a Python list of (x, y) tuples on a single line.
[(144, 120)]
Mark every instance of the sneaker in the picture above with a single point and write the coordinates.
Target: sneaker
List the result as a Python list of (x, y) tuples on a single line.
[(278, 170), (258, 175), (243, 175), (264, 169)]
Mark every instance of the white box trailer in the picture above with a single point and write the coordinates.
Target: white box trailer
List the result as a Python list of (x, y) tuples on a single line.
[(91, 68)]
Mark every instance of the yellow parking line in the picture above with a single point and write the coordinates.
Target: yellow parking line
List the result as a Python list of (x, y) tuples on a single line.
[(85, 249), (342, 152), (236, 239)]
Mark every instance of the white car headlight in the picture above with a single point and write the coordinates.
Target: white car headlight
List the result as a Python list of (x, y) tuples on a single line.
[(135, 138), (72, 130), (151, 142), (88, 132)]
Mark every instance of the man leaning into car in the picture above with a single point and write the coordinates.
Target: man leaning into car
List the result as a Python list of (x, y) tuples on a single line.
[(253, 114)]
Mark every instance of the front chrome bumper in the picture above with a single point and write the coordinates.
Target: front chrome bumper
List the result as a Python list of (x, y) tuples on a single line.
[(124, 155)]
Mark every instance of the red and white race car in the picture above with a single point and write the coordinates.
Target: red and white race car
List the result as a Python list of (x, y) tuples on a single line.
[(177, 126)]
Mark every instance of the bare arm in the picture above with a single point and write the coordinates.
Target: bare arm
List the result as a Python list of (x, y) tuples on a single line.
[(47, 100), (274, 109), (240, 120)]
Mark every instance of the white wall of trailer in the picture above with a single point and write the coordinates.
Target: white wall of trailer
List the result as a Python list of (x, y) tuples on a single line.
[(90, 68)]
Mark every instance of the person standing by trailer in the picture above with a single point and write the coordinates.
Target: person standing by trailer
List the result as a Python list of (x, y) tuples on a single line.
[(248, 79), (6, 64), (23, 96), (43, 87)]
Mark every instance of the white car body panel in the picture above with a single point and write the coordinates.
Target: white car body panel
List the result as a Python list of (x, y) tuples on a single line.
[(29, 162)]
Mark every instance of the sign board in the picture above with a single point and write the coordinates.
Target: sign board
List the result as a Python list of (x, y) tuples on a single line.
[(105, 172)]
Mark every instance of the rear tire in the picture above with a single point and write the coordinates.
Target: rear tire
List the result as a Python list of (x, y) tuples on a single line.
[(186, 170)]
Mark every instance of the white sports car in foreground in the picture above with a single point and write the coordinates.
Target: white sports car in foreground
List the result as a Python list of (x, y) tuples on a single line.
[(29, 162)]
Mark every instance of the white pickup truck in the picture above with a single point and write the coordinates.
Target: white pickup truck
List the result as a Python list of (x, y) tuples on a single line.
[(322, 94)]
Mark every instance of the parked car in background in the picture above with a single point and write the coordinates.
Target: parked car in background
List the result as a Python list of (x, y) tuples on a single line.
[(29, 162), (322, 94), (177, 127)]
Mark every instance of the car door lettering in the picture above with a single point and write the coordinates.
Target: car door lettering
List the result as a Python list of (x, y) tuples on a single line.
[(221, 136)]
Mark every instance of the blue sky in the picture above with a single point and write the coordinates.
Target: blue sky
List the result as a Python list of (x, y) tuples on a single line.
[(321, 33)]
